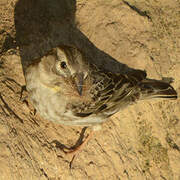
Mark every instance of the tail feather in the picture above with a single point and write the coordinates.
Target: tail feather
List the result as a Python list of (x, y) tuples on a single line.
[(157, 89)]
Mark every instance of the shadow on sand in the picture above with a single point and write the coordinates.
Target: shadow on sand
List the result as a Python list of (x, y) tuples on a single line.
[(42, 25)]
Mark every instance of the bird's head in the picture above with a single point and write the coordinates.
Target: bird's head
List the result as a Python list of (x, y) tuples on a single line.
[(66, 63)]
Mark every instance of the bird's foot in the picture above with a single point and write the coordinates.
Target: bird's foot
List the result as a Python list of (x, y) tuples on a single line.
[(24, 99), (79, 148), (22, 96), (75, 151)]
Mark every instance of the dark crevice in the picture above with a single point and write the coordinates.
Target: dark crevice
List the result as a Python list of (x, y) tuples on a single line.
[(10, 110), (44, 173), (8, 86), (13, 81), (172, 144), (134, 8), (152, 58), (163, 177), (9, 43)]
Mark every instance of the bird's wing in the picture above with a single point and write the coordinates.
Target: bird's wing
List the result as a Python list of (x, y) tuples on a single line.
[(111, 91)]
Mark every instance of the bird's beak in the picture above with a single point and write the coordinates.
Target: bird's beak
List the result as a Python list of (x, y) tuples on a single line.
[(79, 80)]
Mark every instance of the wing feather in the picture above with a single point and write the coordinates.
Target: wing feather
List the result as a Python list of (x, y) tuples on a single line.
[(111, 92)]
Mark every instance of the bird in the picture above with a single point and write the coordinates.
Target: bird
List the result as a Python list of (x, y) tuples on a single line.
[(67, 89)]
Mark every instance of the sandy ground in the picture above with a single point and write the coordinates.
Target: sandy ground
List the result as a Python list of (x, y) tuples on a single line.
[(140, 142)]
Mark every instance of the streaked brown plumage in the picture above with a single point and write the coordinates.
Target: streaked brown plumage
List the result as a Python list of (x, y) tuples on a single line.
[(64, 88)]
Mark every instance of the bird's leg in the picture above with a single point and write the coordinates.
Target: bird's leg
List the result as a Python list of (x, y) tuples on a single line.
[(81, 146)]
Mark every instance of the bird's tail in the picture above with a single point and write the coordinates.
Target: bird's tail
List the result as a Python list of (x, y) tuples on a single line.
[(156, 89)]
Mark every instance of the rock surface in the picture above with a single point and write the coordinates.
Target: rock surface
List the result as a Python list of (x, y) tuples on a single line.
[(140, 142)]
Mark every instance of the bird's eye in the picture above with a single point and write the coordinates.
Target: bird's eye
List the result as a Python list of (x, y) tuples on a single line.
[(63, 65)]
